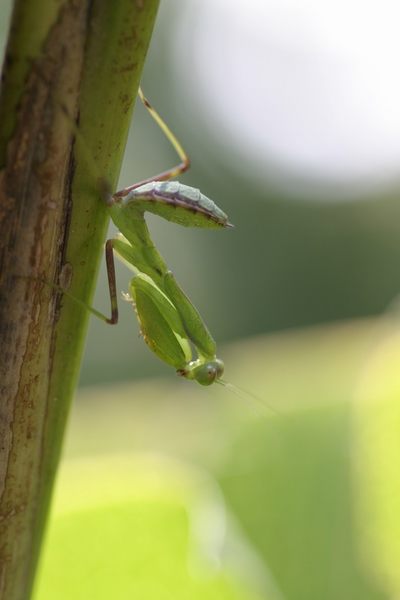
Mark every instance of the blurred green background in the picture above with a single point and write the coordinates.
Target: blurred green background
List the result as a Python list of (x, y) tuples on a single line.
[(287, 486)]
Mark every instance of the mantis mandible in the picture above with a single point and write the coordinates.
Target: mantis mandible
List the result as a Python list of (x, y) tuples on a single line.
[(169, 323)]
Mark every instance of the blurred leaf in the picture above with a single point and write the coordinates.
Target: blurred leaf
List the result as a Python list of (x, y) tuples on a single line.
[(288, 482), (126, 528), (377, 460)]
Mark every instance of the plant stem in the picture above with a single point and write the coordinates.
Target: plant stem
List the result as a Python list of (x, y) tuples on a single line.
[(89, 56)]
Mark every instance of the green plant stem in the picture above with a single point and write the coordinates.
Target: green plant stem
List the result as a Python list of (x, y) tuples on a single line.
[(88, 54)]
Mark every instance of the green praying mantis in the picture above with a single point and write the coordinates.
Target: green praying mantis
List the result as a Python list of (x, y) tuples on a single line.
[(170, 324)]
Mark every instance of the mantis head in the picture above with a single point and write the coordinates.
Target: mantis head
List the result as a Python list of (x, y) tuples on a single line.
[(204, 373)]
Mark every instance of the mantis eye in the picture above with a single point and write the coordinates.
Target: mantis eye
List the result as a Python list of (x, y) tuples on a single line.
[(209, 372)]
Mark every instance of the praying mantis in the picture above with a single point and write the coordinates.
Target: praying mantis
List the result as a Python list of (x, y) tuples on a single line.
[(170, 324)]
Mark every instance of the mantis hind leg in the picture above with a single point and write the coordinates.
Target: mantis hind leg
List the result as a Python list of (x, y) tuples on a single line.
[(169, 173), (113, 319), (112, 286)]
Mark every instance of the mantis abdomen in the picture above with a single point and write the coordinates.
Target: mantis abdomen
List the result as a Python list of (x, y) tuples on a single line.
[(174, 202)]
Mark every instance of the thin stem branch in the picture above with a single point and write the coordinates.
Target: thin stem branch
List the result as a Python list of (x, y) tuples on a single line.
[(52, 227)]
